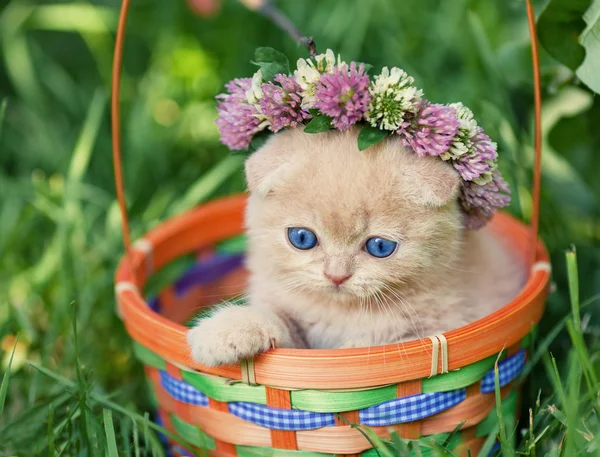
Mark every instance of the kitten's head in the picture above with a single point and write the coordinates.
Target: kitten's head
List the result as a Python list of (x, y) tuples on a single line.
[(327, 220)]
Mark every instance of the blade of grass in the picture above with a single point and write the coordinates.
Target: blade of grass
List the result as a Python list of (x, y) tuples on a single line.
[(2, 113), (125, 433), (111, 441), (366, 434), (573, 278), (508, 449), (51, 449), (6, 377), (489, 443), (136, 438)]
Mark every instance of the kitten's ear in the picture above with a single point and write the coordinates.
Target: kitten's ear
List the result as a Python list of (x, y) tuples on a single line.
[(267, 166), (431, 181)]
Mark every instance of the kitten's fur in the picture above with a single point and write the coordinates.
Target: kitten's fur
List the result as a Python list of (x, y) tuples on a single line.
[(441, 276)]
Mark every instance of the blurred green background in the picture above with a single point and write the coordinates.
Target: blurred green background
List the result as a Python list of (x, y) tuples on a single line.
[(60, 234)]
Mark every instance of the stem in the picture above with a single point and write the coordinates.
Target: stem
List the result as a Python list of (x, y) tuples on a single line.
[(271, 12)]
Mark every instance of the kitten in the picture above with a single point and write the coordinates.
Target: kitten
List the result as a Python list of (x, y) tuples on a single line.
[(428, 274)]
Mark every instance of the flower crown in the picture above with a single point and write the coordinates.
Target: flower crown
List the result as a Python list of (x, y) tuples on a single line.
[(324, 93)]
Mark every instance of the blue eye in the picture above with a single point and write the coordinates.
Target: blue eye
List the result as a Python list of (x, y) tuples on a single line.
[(302, 238), (380, 247)]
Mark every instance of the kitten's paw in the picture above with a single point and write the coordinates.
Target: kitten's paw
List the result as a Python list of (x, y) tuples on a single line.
[(233, 334)]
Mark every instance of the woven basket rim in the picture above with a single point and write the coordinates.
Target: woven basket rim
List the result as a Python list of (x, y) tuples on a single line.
[(318, 368)]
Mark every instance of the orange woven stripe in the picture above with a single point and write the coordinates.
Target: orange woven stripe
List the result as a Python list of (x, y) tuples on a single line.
[(206, 295), (347, 418), (180, 309), (409, 430), (343, 419), (281, 439), (173, 370), (512, 350), (471, 447), (167, 299), (474, 389), (221, 446)]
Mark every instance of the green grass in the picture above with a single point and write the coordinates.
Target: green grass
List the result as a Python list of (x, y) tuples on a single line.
[(71, 383)]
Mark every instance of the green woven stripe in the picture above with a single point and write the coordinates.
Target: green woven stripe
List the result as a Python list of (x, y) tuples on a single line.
[(509, 410), (334, 402), (221, 389), (255, 451), (152, 394), (458, 379), (192, 434), (235, 245), (148, 357)]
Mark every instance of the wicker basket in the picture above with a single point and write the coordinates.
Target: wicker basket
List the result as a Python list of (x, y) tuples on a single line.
[(308, 400), (314, 403)]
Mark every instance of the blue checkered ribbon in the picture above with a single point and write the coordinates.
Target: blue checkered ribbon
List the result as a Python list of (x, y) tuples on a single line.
[(508, 370), (412, 408), (182, 391), (281, 419), (397, 411)]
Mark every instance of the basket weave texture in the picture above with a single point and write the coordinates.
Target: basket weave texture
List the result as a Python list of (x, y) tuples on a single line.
[(310, 403)]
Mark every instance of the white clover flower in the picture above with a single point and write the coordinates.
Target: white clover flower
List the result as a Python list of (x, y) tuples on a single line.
[(467, 129), (326, 62), (393, 97), (487, 175), (308, 72), (254, 94), (460, 146), (466, 118)]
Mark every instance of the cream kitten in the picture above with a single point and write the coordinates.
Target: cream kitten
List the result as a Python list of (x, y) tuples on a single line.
[(421, 273)]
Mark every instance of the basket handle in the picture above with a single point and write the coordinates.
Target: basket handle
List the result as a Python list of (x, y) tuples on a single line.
[(537, 161), (116, 130), (115, 122)]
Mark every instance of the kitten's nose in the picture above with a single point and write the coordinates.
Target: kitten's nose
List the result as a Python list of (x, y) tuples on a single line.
[(337, 280)]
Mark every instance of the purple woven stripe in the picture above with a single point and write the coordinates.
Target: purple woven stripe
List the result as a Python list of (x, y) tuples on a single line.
[(154, 304), (207, 271)]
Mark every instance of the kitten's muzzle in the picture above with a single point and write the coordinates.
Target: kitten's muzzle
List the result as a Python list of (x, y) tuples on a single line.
[(337, 280)]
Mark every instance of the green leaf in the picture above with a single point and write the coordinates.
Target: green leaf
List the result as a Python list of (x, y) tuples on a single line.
[(589, 71), (266, 54), (369, 136), (270, 69), (259, 140), (368, 67), (271, 62), (318, 124), (256, 143), (559, 27)]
